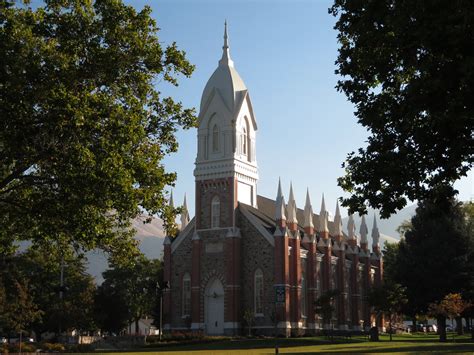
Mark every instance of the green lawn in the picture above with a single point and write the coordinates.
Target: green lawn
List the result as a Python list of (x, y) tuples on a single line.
[(401, 344)]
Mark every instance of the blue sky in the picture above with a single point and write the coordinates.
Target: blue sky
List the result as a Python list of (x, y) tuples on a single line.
[(285, 53)]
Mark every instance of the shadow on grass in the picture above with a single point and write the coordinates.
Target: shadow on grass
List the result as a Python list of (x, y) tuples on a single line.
[(405, 349)]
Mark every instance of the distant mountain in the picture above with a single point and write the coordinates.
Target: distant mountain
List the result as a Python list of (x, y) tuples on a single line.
[(387, 227), (150, 237)]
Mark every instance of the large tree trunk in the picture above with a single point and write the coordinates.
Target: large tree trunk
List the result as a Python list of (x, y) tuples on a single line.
[(468, 323), (459, 328), (442, 328), (414, 324), (137, 327)]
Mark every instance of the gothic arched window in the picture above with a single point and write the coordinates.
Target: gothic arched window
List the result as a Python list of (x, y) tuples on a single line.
[(244, 141), (304, 289), (215, 139), (258, 287), (186, 295), (215, 212)]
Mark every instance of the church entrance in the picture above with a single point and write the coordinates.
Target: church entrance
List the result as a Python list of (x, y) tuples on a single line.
[(214, 308)]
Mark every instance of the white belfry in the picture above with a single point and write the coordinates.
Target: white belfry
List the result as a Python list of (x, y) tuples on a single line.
[(323, 217), (308, 212), (291, 208), (184, 214), (364, 231)]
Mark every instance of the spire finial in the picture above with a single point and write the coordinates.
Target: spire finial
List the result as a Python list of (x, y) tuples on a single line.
[(308, 212), (171, 199), (184, 214), (363, 231), (291, 209), (337, 221), (375, 233), (351, 228), (323, 217), (225, 60), (280, 204)]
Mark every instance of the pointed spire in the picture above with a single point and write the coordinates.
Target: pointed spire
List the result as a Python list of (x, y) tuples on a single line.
[(225, 60), (351, 228), (375, 234), (308, 212), (337, 221), (171, 202), (323, 217), (291, 208), (364, 231), (184, 214), (280, 204)]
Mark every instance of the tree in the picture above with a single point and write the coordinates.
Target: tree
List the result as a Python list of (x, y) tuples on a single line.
[(388, 299), (433, 258), (324, 305), (408, 68), (18, 310), (84, 128), (451, 306), (37, 276), (127, 294)]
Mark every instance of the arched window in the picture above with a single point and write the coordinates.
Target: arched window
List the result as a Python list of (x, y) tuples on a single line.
[(215, 212), (258, 287), (304, 289), (244, 141), (186, 295), (215, 139)]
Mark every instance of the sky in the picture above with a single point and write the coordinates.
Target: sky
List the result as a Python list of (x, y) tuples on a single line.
[(285, 53)]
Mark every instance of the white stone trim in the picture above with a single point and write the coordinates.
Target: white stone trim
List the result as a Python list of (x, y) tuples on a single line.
[(181, 236), (266, 234)]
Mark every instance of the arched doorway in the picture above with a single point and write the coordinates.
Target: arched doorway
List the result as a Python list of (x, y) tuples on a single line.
[(214, 307)]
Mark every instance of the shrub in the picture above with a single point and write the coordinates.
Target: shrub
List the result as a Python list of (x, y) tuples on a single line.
[(53, 347)]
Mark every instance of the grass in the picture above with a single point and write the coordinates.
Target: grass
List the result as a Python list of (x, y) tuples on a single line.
[(401, 344)]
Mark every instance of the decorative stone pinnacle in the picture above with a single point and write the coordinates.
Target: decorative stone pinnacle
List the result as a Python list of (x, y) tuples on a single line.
[(280, 204), (291, 208), (337, 221), (184, 214), (323, 217), (308, 212), (351, 228), (375, 234), (225, 60), (364, 231)]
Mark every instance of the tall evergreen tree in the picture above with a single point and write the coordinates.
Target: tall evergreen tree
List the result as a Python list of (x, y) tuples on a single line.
[(433, 257)]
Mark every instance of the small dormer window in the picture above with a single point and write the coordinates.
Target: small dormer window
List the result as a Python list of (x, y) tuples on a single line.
[(215, 139)]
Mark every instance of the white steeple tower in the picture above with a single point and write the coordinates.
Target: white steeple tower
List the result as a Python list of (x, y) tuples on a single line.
[(227, 131), (308, 212), (291, 208)]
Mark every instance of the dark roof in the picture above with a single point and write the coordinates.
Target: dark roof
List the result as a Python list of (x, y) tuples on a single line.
[(265, 214)]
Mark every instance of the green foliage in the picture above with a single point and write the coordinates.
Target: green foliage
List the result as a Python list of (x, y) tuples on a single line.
[(388, 299), (41, 306), (435, 257), (84, 129), (127, 294), (324, 305), (407, 67), (18, 310)]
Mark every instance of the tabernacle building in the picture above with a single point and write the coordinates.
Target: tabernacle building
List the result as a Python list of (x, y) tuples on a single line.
[(244, 254)]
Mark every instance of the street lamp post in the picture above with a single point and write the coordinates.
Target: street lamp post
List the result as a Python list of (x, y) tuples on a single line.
[(160, 287)]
